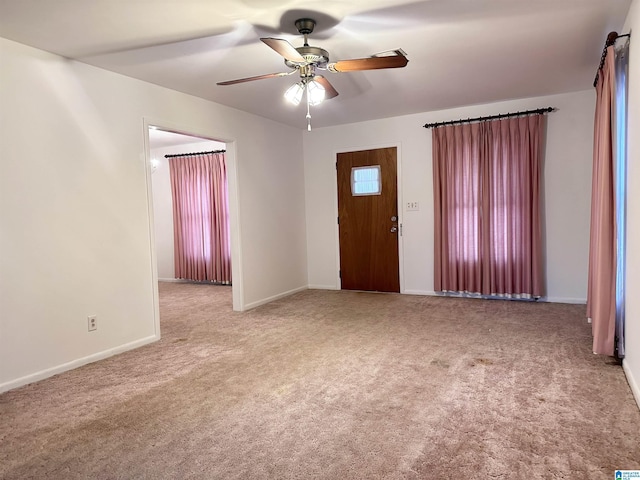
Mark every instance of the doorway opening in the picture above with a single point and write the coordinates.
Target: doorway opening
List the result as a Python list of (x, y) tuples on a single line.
[(206, 257)]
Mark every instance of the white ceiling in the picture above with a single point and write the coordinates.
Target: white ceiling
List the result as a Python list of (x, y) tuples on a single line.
[(461, 52), (161, 138)]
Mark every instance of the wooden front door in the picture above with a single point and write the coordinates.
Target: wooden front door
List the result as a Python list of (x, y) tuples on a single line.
[(368, 220)]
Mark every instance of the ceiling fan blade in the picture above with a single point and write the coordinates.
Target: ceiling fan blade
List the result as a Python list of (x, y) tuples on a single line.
[(329, 91), (285, 49), (258, 77), (371, 63)]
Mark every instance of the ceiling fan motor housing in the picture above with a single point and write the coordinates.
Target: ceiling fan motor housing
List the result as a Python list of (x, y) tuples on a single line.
[(312, 55), (305, 25)]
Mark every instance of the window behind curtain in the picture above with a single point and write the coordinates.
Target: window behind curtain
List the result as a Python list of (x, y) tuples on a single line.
[(620, 153), (487, 207)]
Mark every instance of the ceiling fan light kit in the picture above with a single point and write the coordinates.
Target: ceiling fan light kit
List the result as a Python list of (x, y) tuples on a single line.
[(307, 59)]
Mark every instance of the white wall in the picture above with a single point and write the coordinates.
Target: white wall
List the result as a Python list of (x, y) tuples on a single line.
[(567, 190), (163, 204), (632, 331), (76, 236)]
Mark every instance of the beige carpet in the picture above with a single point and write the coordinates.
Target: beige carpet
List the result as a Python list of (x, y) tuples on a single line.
[(334, 385)]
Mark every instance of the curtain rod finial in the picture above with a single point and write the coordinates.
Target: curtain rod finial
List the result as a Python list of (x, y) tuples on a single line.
[(611, 38)]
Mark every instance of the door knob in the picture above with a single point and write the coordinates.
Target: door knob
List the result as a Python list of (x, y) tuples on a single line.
[(394, 229)]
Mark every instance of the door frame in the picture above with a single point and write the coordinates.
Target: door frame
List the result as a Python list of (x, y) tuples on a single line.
[(237, 289), (400, 204)]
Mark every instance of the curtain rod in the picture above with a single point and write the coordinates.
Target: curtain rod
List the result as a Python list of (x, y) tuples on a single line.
[(611, 39), (194, 153), (537, 111)]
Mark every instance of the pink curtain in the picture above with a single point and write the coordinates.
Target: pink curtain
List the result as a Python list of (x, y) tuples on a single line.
[(601, 306), (201, 217), (487, 180)]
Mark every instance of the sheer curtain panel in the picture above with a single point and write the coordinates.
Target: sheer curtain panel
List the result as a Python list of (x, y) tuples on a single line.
[(487, 181), (201, 217)]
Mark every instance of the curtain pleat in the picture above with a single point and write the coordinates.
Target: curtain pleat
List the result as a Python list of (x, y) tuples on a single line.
[(602, 250), (487, 180), (201, 217)]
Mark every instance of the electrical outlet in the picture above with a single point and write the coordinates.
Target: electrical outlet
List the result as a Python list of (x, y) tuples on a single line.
[(413, 206), (92, 322)]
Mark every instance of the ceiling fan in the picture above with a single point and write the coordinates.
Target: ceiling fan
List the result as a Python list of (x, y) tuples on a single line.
[(306, 60)]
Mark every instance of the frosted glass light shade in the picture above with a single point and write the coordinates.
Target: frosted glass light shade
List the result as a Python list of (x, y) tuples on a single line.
[(294, 93), (315, 92)]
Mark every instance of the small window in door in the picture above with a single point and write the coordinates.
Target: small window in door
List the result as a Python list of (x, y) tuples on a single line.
[(365, 181)]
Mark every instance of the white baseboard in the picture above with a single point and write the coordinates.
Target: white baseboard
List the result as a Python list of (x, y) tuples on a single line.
[(249, 306), (431, 293), (635, 387), (578, 301), (419, 292), (175, 280), (50, 372)]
